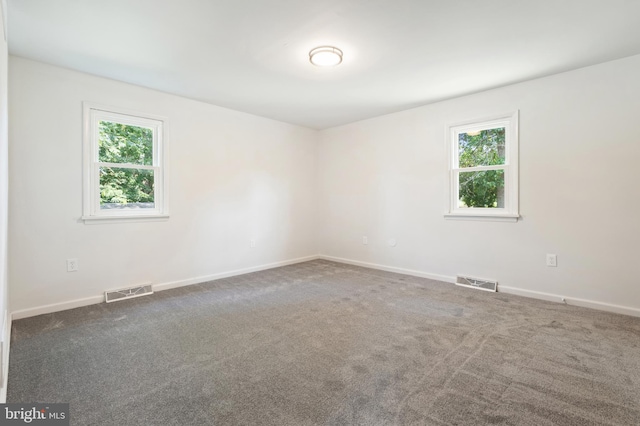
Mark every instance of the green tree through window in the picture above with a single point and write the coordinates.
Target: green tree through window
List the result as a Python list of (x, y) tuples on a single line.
[(482, 148), (125, 144)]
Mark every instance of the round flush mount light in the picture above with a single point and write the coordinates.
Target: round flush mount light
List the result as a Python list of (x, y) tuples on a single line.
[(325, 56)]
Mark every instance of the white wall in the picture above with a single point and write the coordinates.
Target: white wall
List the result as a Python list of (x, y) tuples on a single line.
[(233, 177), (4, 191), (579, 195)]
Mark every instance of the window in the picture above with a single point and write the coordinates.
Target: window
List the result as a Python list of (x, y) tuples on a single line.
[(483, 169), (123, 165)]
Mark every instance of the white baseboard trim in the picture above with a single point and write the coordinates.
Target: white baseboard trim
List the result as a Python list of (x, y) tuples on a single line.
[(411, 272), (57, 307), (625, 310), (573, 301), (6, 345), (206, 278)]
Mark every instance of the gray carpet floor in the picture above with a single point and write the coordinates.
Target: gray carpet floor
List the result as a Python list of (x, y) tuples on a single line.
[(322, 343)]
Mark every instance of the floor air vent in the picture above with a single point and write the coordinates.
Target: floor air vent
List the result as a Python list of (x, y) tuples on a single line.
[(477, 283), (127, 293)]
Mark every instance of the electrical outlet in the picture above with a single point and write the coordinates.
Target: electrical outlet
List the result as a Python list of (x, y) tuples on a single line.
[(552, 260), (252, 243), (365, 240), (72, 265)]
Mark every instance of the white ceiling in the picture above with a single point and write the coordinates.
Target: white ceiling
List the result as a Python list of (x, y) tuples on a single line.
[(252, 55)]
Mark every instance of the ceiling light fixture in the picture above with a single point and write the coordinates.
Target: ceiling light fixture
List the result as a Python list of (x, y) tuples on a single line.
[(325, 56)]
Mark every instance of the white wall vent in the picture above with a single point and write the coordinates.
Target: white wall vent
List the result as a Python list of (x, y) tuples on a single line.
[(477, 283), (128, 293)]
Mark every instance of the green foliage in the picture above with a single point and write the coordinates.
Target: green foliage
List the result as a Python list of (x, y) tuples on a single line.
[(484, 148), (480, 189), (121, 143)]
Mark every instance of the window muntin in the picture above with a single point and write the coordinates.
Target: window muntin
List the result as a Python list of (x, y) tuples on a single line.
[(483, 170), (124, 164)]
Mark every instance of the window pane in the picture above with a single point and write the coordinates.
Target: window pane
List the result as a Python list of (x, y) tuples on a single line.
[(481, 189), (481, 148), (122, 143), (122, 188)]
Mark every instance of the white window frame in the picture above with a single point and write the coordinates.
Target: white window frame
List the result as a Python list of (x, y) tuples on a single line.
[(92, 115), (510, 167)]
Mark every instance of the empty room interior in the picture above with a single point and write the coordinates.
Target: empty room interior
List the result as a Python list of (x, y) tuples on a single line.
[(296, 212)]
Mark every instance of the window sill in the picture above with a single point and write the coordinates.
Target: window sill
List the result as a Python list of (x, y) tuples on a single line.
[(95, 220), (483, 217)]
